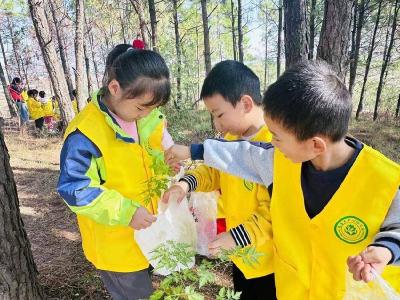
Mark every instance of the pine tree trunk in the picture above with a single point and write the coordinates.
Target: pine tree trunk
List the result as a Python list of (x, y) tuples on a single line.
[(354, 60), (138, 6), (6, 67), (312, 29), (386, 60), (334, 38), (296, 40), (280, 25), (398, 107), (10, 102), (178, 54), (54, 69), (240, 31), (207, 51), (266, 50), (18, 273), (79, 55), (360, 106), (233, 30), (153, 24), (96, 69), (56, 16), (87, 65), (14, 46)]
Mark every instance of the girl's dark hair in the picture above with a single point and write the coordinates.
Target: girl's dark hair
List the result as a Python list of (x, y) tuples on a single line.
[(138, 72), (16, 80), (42, 94), (32, 93)]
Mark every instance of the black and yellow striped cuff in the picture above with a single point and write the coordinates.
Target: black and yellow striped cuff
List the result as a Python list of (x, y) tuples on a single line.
[(240, 236)]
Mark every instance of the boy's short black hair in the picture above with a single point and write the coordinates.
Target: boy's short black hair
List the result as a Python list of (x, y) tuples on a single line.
[(42, 94), (232, 79), (310, 99), (32, 93)]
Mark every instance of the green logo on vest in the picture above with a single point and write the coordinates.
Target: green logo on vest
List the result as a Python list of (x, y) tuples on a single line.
[(351, 229), (248, 185)]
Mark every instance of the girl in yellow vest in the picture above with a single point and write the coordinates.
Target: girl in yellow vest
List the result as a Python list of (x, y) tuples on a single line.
[(47, 106), (333, 197), (106, 164), (231, 93), (35, 108)]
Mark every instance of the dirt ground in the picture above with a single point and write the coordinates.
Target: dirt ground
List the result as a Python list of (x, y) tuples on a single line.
[(63, 271)]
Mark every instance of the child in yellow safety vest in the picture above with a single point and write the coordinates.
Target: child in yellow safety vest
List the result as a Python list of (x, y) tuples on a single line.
[(47, 106), (334, 199), (106, 164), (35, 108), (231, 93)]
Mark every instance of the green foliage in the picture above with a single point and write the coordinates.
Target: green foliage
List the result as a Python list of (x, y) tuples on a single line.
[(187, 283)]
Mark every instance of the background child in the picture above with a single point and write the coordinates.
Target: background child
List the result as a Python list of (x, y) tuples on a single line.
[(231, 93), (47, 106), (35, 108), (104, 169), (333, 196), (17, 94)]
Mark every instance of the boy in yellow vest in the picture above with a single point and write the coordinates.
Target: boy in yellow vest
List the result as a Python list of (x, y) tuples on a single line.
[(231, 93), (333, 197)]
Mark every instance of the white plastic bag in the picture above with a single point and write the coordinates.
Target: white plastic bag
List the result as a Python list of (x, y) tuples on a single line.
[(377, 289), (204, 209), (174, 223)]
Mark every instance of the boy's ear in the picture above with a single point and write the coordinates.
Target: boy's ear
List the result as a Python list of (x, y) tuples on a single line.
[(114, 87), (247, 103), (319, 145)]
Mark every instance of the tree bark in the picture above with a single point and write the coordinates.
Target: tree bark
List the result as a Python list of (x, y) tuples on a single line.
[(10, 102), (334, 38), (397, 107), (138, 6), (178, 54), (240, 32), (96, 69), (368, 63), (87, 65), (355, 54), (153, 24), (6, 67), (279, 53), (386, 60), (312, 29), (266, 50), (57, 20), (36, 8), (18, 273), (207, 51), (296, 40), (14, 46), (233, 30), (79, 55)]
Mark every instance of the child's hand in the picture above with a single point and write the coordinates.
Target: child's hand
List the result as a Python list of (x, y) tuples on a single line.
[(177, 190), (372, 258), (142, 219), (222, 241), (176, 153)]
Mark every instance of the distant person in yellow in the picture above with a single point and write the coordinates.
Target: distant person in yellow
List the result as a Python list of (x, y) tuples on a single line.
[(47, 106), (106, 162), (74, 102), (231, 93), (35, 108)]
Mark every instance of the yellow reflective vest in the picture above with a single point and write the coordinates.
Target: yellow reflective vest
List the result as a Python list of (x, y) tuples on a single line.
[(127, 168), (310, 254)]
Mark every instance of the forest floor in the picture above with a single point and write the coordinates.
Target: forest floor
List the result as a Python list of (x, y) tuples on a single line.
[(52, 230)]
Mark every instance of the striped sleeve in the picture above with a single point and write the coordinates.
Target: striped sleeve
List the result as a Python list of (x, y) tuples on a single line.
[(240, 236)]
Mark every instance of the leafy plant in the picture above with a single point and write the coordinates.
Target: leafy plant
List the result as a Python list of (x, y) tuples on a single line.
[(187, 283)]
